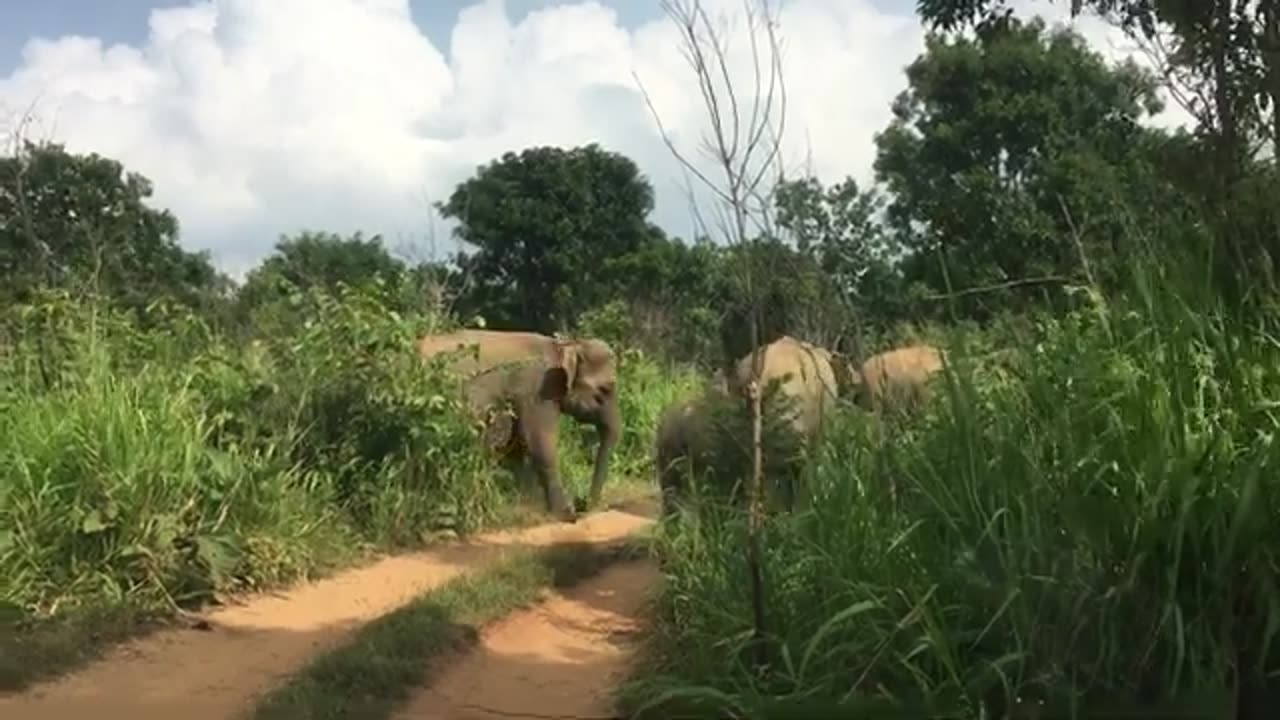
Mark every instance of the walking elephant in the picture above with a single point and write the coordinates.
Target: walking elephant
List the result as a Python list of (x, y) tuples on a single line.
[(538, 378), (898, 380), (705, 435), (807, 378)]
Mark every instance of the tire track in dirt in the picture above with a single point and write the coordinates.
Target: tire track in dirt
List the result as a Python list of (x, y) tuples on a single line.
[(562, 658), (249, 648)]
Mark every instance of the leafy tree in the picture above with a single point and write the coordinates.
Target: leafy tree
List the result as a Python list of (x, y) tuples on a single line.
[(788, 291), (1220, 59), (545, 223), (318, 260), (1016, 156), (1224, 60), (80, 220), (663, 299), (838, 228)]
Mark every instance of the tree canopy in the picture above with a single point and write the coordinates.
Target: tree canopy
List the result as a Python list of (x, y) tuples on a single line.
[(544, 224), (80, 220), (1004, 146)]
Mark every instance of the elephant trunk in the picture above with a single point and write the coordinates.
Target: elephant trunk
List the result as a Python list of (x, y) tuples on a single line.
[(609, 429)]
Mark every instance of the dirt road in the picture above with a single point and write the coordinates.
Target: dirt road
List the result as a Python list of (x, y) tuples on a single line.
[(561, 658), (219, 673)]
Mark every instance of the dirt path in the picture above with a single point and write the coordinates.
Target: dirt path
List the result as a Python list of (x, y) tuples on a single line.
[(561, 658), (218, 673)]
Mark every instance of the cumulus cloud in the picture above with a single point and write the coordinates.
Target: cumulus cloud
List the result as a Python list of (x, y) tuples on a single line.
[(260, 118)]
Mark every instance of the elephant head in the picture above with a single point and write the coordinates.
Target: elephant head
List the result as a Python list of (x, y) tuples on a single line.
[(586, 388), (806, 376)]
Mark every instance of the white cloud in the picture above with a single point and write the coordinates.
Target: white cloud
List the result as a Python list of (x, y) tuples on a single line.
[(257, 118)]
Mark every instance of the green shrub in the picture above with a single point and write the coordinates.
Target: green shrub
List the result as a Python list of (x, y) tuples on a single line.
[(148, 461), (1088, 521)]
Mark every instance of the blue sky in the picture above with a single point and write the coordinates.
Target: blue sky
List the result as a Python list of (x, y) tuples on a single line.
[(256, 118)]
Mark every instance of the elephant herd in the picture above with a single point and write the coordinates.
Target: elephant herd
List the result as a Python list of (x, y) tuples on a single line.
[(522, 382)]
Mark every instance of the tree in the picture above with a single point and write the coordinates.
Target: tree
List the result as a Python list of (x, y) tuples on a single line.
[(544, 223), (1223, 64), (1220, 60), (663, 298), (789, 293), (318, 260), (73, 219), (1017, 157), (838, 229)]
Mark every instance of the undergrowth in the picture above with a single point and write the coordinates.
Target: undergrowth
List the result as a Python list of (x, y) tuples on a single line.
[(152, 463), (1087, 525)]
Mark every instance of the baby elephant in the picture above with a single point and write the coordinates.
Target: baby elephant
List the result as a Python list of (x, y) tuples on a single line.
[(683, 444)]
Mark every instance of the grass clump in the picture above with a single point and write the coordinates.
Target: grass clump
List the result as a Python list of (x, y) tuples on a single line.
[(375, 672), (1087, 527)]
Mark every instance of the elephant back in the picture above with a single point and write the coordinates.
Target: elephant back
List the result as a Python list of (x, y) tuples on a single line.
[(496, 347), (900, 377)]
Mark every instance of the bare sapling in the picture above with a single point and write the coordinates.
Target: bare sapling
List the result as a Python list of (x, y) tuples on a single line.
[(743, 143)]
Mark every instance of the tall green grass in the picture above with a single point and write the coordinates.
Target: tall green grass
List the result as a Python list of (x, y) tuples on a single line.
[(160, 464), (1088, 525), (148, 462)]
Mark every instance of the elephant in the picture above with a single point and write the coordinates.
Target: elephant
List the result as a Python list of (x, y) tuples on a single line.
[(693, 435), (683, 443), (540, 377), (897, 379), (807, 376)]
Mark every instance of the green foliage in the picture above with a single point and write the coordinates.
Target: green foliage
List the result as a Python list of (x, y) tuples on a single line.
[(390, 434), (318, 260), (838, 227), (1017, 155), (80, 220), (544, 223), (663, 300), (157, 465), (115, 494), (1084, 523), (267, 304), (788, 293)]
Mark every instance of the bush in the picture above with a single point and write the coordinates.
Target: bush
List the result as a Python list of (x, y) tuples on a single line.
[(1089, 525), (148, 461)]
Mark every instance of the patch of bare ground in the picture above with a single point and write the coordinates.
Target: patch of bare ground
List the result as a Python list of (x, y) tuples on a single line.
[(562, 658), (244, 650)]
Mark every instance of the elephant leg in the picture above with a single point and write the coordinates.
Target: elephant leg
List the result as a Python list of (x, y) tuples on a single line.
[(669, 482), (540, 435), (609, 429)]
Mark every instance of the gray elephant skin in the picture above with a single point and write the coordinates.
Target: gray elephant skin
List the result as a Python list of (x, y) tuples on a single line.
[(691, 433), (538, 378)]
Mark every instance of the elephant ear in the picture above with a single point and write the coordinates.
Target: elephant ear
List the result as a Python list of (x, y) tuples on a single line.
[(565, 360)]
